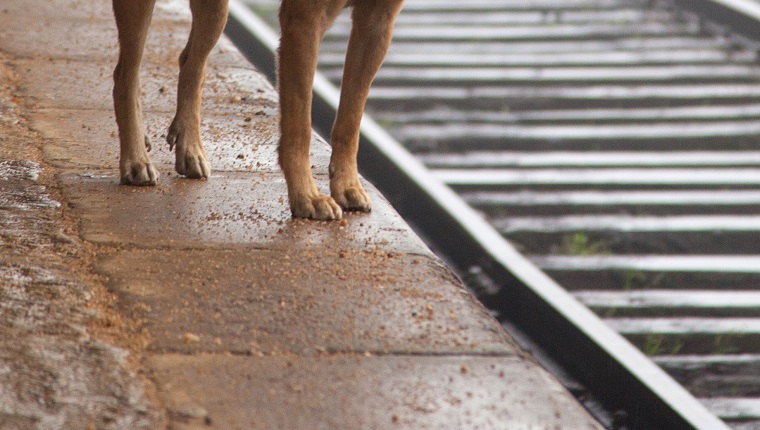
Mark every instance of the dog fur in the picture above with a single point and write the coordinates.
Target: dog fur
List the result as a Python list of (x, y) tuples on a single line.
[(303, 24)]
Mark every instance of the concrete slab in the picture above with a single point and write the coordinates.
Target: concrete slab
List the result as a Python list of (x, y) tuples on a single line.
[(165, 10), (362, 393), (245, 142), (85, 37), (74, 9), (228, 209), (229, 90), (305, 302), (94, 37)]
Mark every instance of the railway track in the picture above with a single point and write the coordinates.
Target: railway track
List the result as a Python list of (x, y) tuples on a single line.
[(615, 144)]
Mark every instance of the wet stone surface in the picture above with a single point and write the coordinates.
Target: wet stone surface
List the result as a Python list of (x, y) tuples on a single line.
[(47, 382), (53, 374), (36, 300), (18, 189), (26, 215)]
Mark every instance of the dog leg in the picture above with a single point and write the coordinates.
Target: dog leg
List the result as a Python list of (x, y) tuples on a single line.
[(209, 19), (132, 20), (370, 36), (303, 23)]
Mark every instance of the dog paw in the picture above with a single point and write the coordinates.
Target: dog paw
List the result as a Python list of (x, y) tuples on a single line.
[(352, 198), (190, 157), (318, 207), (138, 173), (193, 166)]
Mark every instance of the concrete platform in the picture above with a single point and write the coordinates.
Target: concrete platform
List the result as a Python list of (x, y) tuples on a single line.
[(203, 304)]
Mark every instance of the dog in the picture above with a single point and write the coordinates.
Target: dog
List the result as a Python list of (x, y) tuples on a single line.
[(303, 24)]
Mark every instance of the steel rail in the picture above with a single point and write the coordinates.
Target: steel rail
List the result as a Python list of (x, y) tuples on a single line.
[(617, 373), (742, 16)]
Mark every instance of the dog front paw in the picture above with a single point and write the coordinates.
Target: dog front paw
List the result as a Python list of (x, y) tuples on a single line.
[(190, 157), (138, 173), (352, 198), (193, 166), (317, 206)]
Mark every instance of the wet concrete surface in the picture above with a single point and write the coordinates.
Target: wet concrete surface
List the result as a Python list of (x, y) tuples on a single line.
[(203, 304), (385, 392), (301, 301), (243, 142), (159, 82), (230, 208)]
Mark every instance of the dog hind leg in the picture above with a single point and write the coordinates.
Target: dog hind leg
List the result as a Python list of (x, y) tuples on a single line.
[(132, 21), (303, 23), (209, 19), (371, 34)]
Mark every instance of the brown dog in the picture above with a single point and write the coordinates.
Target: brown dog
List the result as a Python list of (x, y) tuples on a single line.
[(303, 23)]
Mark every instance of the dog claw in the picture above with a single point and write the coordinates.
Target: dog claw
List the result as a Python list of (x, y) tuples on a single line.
[(148, 146), (171, 139)]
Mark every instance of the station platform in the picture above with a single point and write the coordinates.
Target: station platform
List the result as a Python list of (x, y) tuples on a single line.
[(203, 304)]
